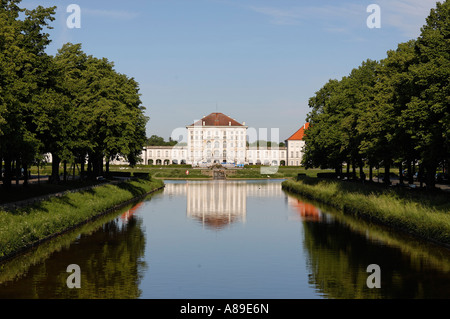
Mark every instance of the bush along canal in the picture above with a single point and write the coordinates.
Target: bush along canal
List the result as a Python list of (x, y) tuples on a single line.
[(32, 225), (422, 214)]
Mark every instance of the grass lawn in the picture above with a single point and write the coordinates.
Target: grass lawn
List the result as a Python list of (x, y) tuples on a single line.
[(251, 172), (179, 171)]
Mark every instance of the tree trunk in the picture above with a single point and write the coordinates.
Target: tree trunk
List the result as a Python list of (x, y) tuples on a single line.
[(83, 160), (410, 172), (18, 172), (353, 170), (387, 173), (89, 168), (348, 170), (100, 165), (97, 165), (25, 174), (8, 173), (54, 178), (107, 167), (430, 175), (362, 175), (400, 172), (420, 175), (65, 171)]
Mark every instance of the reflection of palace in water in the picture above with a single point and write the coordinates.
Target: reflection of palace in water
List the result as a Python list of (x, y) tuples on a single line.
[(220, 203)]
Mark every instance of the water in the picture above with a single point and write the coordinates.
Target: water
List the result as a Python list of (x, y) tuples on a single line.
[(226, 239)]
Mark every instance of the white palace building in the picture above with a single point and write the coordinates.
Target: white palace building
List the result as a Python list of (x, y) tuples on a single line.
[(217, 138)]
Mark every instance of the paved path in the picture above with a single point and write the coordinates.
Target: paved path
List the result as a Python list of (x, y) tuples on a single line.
[(33, 180)]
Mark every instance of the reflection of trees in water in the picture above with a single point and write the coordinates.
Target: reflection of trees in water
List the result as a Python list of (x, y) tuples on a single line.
[(111, 262), (339, 258)]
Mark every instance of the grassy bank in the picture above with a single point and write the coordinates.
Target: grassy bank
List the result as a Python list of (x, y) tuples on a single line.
[(284, 172), (19, 193), (177, 173), (30, 225), (426, 215)]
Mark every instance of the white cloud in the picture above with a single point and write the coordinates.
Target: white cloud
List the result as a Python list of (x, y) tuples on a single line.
[(280, 16), (406, 15), (112, 14), (297, 15)]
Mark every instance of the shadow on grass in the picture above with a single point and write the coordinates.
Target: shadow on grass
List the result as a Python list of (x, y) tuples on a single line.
[(50, 195), (133, 189), (22, 193), (44, 205)]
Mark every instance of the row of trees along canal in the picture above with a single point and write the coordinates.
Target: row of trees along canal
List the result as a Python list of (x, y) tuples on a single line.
[(72, 105), (390, 112)]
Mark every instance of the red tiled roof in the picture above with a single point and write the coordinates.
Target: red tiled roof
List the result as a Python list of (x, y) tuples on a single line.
[(299, 134), (217, 119)]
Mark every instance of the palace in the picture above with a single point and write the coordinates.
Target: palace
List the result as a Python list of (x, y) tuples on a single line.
[(217, 138)]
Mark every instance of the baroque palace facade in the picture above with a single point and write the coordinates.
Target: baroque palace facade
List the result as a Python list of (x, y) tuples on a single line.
[(217, 138)]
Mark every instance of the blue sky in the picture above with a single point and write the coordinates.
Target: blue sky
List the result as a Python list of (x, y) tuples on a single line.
[(258, 61)]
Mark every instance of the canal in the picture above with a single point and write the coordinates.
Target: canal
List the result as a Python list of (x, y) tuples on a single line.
[(229, 239)]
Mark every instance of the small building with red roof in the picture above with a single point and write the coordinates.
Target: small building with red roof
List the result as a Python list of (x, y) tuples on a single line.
[(295, 145)]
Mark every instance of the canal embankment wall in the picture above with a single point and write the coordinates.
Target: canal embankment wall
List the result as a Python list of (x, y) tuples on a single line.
[(31, 225), (422, 214)]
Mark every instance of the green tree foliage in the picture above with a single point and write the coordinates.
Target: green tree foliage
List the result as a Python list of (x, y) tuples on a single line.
[(395, 111), (427, 116), (22, 60), (155, 140), (324, 135), (72, 105), (106, 116)]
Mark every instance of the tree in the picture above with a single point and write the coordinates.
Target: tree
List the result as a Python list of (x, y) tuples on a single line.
[(323, 141), (22, 75), (106, 116), (155, 140), (427, 116)]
